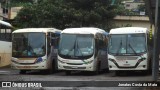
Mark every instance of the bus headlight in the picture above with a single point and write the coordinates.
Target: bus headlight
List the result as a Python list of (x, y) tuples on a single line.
[(38, 60), (112, 60), (89, 62), (61, 61), (141, 59)]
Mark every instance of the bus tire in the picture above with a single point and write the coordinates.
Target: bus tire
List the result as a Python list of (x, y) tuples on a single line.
[(22, 72), (150, 67), (97, 69), (106, 70), (117, 73), (52, 68), (68, 72), (50, 71)]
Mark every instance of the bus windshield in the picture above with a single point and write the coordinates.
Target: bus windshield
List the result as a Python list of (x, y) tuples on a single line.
[(28, 44), (76, 46), (127, 44)]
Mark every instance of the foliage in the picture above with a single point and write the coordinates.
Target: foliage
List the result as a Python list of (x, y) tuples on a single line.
[(68, 13)]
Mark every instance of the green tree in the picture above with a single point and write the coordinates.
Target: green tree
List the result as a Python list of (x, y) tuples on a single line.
[(68, 13)]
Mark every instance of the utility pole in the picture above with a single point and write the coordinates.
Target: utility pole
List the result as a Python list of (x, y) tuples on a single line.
[(156, 48)]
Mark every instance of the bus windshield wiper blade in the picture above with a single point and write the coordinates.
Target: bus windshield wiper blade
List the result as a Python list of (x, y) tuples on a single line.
[(79, 49), (119, 48), (72, 48), (132, 48)]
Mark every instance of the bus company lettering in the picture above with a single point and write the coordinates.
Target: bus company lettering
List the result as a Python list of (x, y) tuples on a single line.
[(34, 85), (152, 84), (124, 84), (137, 84), (26, 84)]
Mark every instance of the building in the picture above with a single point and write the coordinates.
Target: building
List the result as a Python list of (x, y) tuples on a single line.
[(134, 21), (132, 5), (10, 8), (14, 11), (135, 16), (1, 12), (135, 6)]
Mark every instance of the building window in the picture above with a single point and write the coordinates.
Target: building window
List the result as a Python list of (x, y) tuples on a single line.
[(5, 11), (127, 5)]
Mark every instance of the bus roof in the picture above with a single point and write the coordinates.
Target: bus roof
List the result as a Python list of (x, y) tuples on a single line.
[(84, 30), (5, 23), (25, 30), (128, 30)]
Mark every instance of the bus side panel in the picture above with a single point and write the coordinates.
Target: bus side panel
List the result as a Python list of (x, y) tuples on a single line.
[(5, 53)]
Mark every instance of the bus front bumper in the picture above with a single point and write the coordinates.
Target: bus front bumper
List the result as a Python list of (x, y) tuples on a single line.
[(141, 66), (83, 67), (36, 66)]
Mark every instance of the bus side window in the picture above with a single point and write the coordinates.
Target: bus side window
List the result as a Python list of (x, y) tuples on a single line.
[(2, 36), (48, 44), (5, 34), (101, 41), (55, 40), (8, 34)]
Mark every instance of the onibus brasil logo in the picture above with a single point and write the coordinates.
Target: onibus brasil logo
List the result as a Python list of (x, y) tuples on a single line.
[(21, 84)]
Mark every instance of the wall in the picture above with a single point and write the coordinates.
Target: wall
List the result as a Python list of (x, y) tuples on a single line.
[(135, 21), (0, 12), (14, 11)]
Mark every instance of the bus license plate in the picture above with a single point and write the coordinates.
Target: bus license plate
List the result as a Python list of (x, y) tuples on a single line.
[(26, 67), (74, 67), (126, 64)]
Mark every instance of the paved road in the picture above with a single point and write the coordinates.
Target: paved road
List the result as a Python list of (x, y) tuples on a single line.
[(7, 74)]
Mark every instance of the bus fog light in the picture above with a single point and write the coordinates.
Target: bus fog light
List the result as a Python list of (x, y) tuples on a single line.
[(144, 66), (89, 62), (110, 66)]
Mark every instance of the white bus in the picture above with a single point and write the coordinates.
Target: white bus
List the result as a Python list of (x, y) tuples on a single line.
[(159, 63), (82, 49), (5, 43), (35, 49), (129, 49)]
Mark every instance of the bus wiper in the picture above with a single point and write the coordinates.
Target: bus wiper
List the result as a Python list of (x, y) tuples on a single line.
[(72, 48), (132, 48), (135, 51), (79, 49), (119, 47), (81, 53)]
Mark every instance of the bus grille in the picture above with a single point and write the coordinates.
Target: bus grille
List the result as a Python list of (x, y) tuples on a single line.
[(126, 58), (70, 67), (75, 63)]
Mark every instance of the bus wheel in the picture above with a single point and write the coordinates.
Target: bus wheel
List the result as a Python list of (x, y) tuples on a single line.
[(97, 69), (68, 72), (51, 69), (150, 67), (22, 72)]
